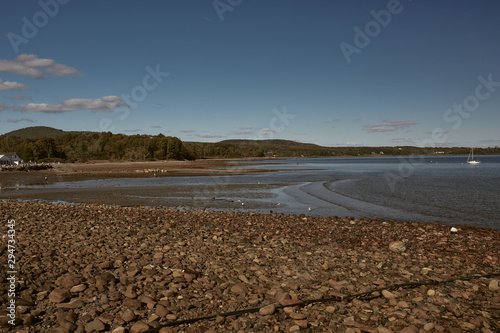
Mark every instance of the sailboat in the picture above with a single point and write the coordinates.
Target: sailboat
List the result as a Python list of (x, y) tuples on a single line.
[(470, 159)]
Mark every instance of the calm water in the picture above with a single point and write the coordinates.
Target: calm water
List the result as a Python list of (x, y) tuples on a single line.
[(443, 189)]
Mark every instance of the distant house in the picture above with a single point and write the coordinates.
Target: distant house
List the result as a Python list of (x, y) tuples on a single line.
[(10, 159)]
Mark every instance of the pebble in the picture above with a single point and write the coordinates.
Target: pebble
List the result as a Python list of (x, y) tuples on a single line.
[(267, 310), (95, 326), (90, 268), (493, 286), (59, 295)]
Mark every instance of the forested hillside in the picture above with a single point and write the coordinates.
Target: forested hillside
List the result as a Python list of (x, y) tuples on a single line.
[(84, 146), (46, 144)]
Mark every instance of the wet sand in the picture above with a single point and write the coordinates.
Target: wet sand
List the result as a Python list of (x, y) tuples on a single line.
[(16, 185)]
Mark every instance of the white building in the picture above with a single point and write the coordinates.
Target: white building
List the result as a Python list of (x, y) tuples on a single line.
[(10, 159)]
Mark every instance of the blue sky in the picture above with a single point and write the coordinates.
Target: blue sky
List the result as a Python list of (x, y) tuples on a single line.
[(334, 73)]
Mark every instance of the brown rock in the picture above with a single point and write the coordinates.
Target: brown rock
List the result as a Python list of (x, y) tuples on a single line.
[(107, 277), (267, 310), (59, 295), (166, 330), (138, 327), (290, 302), (297, 316), (119, 329), (69, 281), (132, 304), (78, 288), (330, 309), (493, 286), (29, 320), (161, 310), (238, 289), (387, 294), (73, 304), (128, 315), (95, 326), (108, 264), (397, 246), (301, 323)]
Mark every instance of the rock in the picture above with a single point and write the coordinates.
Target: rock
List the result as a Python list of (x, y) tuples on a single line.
[(107, 277), (238, 289), (301, 323), (297, 316), (132, 304), (387, 294), (95, 326), (108, 264), (429, 326), (78, 288), (290, 302), (409, 329), (139, 326), (493, 286), (73, 304), (59, 295), (119, 329), (330, 309), (397, 246), (267, 310), (69, 281), (128, 315)]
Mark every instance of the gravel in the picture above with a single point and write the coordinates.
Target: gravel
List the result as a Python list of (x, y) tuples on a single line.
[(91, 268)]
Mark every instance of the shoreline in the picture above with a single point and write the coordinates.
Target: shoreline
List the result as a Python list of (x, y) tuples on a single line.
[(109, 268), (70, 172)]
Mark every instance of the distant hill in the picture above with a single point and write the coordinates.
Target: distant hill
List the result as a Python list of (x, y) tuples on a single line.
[(36, 132), (274, 143), (282, 147)]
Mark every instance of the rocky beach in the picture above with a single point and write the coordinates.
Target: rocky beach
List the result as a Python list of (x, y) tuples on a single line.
[(96, 268)]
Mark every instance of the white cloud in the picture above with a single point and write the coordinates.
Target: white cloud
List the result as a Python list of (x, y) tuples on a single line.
[(20, 98), (208, 136), (4, 106), (246, 127), (106, 103), (11, 85), (22, 119), (389, 126), (241, 133), (32, 66), (401, 140), (266, 131)]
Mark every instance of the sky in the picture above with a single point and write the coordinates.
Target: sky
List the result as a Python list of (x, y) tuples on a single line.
[(333, 73)]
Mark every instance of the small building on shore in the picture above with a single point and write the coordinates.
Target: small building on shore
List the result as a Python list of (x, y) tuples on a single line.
[(10, 159)]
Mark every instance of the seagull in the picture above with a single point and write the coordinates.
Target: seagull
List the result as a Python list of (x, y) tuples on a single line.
[(310, 209)]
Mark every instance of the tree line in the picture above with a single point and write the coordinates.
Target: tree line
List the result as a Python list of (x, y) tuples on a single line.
[(86, 146)]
